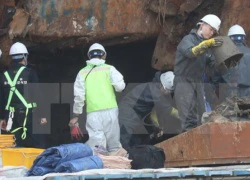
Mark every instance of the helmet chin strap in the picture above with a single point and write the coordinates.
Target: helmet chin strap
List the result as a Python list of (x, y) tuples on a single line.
[(25, 59)]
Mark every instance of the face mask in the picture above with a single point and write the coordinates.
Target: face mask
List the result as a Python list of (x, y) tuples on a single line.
[(238, 37)]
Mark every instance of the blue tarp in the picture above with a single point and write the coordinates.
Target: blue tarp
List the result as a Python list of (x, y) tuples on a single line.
[(91, 162), (39, 171), (52, 157)]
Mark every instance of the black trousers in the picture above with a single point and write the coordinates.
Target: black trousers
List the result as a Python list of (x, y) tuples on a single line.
[(32, 139)]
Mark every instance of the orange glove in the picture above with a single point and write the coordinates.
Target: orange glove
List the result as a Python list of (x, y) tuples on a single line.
[(3, 124)]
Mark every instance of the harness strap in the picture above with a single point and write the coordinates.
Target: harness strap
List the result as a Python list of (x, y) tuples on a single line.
[(24, 134), (13, 90), (13, 86)]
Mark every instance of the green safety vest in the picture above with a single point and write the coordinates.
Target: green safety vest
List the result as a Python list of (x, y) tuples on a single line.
[(13, 90), (99, 92)]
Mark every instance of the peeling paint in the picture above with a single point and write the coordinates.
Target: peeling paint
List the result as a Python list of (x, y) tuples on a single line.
[(56, 19), (239, 127), (104, 11), (67, 12), (77, 26), (48, 10), (88, 22), (92, 22)]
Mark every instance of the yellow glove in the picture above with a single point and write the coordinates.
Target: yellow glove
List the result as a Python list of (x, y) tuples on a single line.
[(153, 117), (174, 113), (204, 45)]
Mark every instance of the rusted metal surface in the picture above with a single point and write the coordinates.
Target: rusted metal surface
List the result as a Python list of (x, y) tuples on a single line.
[(19, 23), (84, 21), (172, 28), (164, 54), (173, 7), (63, 24), (209, 144), (7, 3), (6, 12), (177, 18)]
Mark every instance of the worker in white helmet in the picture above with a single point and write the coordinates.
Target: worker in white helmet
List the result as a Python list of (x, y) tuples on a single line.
[(147, 114), (96, 84), (193, 57), (18, 99), (237, 77)]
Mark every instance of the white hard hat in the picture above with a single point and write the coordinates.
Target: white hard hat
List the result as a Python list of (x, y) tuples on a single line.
[(236, 30), (212, 20), (97, 46), (167, 80), (0, 52), (18, 48)]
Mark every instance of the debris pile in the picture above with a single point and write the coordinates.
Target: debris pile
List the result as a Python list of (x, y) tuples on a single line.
[(232, 109)]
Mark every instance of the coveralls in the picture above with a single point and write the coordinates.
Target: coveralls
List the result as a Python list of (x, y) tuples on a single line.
[(95, 83)]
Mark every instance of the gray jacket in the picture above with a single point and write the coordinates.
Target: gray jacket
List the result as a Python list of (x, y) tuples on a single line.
[(186, 64), (240, 73), (244, 66)]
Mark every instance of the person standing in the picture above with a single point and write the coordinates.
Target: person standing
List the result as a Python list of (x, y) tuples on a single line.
[(95, 84), (237, 77), (193, 58), (18, 97)]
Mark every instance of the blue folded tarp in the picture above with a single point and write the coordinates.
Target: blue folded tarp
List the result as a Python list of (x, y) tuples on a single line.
[(91, 162), (51, 157), (40, 171)]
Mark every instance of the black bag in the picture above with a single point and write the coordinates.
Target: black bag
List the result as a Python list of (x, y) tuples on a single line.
[(146, 156)]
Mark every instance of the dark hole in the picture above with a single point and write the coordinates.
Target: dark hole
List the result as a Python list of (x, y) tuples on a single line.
[(61, 66)]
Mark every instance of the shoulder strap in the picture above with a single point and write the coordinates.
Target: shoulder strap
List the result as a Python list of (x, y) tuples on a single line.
[(89, 72), (13, 85), (20, 96)]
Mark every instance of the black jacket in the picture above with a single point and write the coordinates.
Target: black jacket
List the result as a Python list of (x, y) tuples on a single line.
[(142, 99), (24, 85)]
